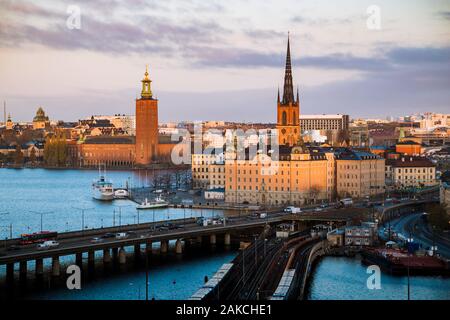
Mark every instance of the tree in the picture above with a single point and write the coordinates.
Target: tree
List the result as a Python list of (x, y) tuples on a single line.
[(18, 156), (314, 191), (437, 217), (55, 150), (32, 157)]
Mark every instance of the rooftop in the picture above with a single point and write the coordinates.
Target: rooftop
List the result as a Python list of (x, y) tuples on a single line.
[(410, 162), (110, 140)]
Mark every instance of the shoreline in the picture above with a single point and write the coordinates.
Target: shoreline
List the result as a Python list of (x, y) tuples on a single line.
[(154, 167)]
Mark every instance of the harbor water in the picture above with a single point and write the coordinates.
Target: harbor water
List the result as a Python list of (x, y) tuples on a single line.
[(58, 197)]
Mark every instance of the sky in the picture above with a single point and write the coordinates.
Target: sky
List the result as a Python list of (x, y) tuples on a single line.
[(223, 60)]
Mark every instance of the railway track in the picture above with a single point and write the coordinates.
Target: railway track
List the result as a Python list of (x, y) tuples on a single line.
[(258, 269)]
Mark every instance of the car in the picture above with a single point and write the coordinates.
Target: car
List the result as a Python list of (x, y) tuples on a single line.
[(47, 245), (14, 247), (96, 240), (121, 235), (318, 209), (109, 235)]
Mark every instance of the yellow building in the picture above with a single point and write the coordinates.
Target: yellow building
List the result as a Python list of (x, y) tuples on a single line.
[(359, 174), (9, 123), (298, 177), (412, 172), (40, 121), (208, 171)]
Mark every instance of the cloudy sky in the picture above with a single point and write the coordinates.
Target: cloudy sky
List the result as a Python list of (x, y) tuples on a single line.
[(213, 60)]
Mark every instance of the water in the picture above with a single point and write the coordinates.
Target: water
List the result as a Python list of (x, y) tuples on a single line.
[(57, 196), (176, 279), (341, 278), (59, 192)]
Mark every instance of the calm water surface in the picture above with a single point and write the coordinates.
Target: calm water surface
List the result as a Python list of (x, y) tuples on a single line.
[(340, 278), (25, 193), (61, 194)]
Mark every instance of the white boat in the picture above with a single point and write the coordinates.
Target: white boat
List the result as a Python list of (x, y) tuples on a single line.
[(121, 194), (157, 203), (102, 189)]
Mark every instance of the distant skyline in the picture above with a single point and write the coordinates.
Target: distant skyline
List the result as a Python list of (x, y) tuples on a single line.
[(217, 60)]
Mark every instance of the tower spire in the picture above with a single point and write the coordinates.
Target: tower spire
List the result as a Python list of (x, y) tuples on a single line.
[(146, 92), (288, 90)]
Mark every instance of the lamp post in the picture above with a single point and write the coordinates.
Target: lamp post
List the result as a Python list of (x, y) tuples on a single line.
[(10, 232), (410, 240), (41, 213), (82, 209), (120, 214)]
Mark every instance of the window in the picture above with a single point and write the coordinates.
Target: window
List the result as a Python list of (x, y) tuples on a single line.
[(283, 118)]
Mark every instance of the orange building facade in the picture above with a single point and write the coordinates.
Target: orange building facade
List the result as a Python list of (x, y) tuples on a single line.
[(409, 148)]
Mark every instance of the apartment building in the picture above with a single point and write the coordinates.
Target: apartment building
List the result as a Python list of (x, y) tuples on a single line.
[(359, 174), (409, 171), (299, 176), (208, 171), (324, 122)]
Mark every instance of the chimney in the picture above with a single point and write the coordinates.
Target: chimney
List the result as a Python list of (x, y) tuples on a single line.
[(410, 159), (403, 159)]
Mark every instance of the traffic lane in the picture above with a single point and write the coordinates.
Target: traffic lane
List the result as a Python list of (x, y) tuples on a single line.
[(86, 244), (405, 225), (422, 234)]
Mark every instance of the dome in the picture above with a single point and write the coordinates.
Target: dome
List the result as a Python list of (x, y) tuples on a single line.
[(40, 115)]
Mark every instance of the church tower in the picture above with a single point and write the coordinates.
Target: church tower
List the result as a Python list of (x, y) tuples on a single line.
[(146, 124), (288, 108)]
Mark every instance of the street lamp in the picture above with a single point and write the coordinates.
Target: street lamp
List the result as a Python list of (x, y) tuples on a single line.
[(82, 216), (10, 232), (120, 214), (41, 213)]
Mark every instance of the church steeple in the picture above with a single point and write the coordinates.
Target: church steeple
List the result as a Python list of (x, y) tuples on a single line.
[(146, 92), (288, 109), (288, 90)]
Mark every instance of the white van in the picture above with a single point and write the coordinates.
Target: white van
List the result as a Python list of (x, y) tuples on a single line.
[(292, 210), (47, 245), (263, 215), (121, 235)]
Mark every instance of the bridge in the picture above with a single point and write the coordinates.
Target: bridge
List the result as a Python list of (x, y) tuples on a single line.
[(183, 231), (78, 242), (397, 210)]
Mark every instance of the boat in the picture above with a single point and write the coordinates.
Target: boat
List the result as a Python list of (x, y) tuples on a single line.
[(157, 203), (102, 189), (121, 194)]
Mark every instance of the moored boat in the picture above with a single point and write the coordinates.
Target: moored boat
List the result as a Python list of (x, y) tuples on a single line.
[(157, 203), (121, 194), (102, 189)]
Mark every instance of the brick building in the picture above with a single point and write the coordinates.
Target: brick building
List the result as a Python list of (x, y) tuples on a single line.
[(124, 150)]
